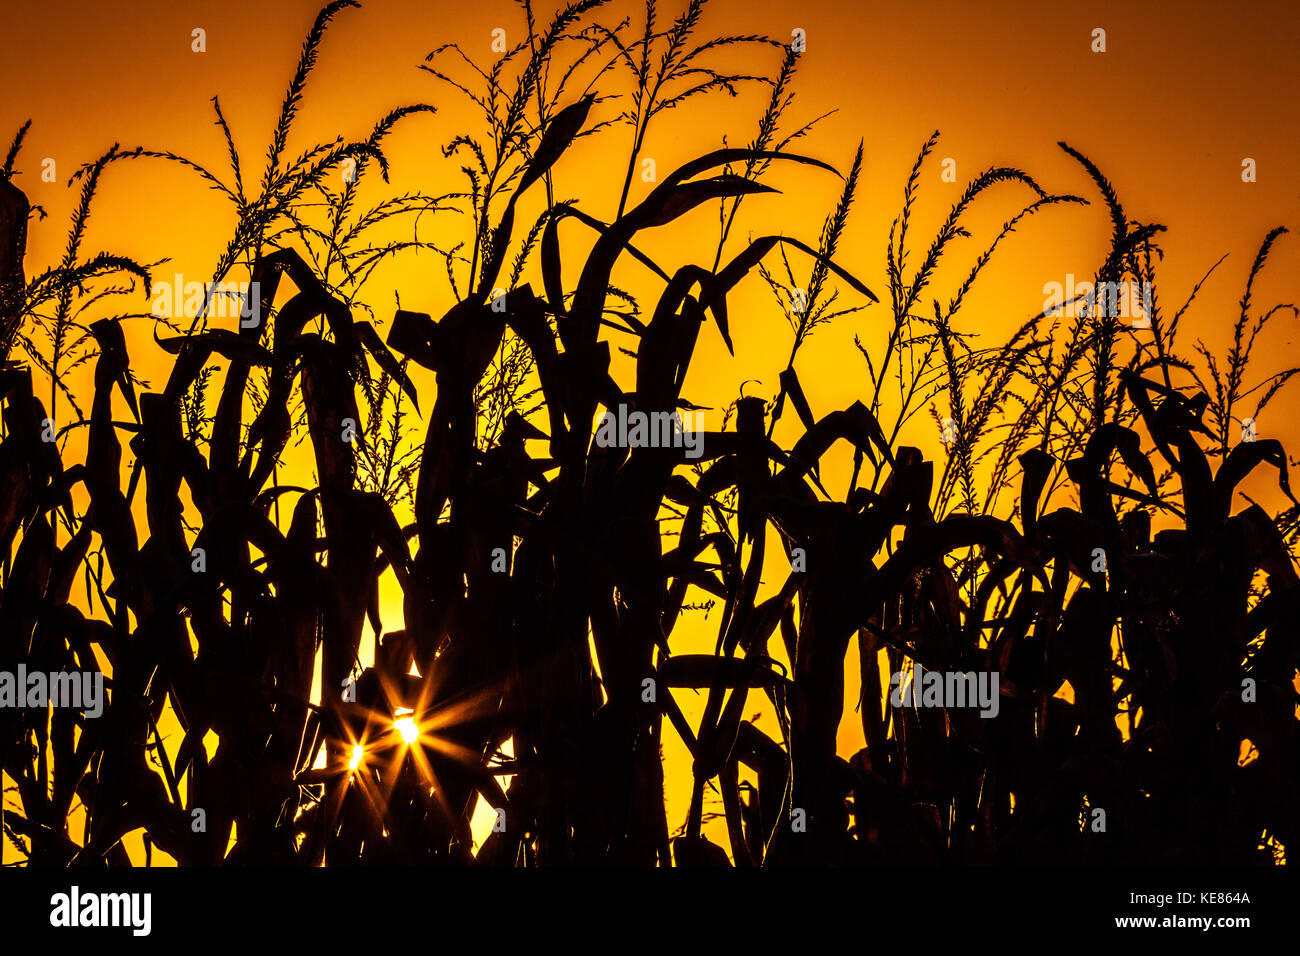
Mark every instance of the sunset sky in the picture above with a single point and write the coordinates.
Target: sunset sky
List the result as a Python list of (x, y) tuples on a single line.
[(1183, 94)]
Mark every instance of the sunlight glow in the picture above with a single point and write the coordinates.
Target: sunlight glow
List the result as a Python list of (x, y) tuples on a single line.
[(408, 728)]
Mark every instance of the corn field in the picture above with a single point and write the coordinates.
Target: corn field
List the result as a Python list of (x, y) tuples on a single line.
[(214, 544)]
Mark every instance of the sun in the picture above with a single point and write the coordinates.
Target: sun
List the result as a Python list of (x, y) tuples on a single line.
[(408, 728)]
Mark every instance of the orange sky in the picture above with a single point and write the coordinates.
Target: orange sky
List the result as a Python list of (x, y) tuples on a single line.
[(1185, 91)]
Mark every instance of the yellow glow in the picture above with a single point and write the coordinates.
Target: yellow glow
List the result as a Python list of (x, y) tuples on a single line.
[(481, 823), (1065, 692), (357, 753), (408, 728), (1248, 753)]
